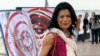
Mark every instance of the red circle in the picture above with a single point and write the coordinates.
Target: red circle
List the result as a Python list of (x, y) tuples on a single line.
[(27, 49), (43, 9), (6, 34), (16, 26), (41, 17)]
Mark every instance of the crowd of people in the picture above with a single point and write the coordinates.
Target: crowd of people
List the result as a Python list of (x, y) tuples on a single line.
[(93, 24)]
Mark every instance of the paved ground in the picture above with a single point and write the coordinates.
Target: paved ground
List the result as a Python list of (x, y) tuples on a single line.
[(88, 49), (84, 49)]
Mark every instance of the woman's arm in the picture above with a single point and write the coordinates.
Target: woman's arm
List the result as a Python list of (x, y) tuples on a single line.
[(47, 45)]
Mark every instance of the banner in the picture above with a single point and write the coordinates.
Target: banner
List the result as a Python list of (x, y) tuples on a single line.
[(40, 18), (18, 34)]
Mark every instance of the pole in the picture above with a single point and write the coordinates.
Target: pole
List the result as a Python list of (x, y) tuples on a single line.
[(46, 3)]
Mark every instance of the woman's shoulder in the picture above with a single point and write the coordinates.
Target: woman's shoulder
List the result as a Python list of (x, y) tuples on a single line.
[(49, 38), (50, 35)]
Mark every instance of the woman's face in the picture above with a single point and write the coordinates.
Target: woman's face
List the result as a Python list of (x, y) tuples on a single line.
[(93, 14), (64, 19), (86, 15)]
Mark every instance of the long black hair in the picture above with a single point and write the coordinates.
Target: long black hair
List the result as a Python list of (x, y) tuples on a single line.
[(58, 8)]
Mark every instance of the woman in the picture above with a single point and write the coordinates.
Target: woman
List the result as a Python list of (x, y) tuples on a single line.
[(58, 41), (85, 26)]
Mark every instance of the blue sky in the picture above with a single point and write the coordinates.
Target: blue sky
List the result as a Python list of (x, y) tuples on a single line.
[(77, 4)]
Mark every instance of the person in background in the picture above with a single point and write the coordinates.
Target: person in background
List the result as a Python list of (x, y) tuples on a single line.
[(59, 39), (85, 26), (92, 16), (77, 29), (94, 28)]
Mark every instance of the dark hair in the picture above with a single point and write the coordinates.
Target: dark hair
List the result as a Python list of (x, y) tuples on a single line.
[(93, 13), (80, 15), (59, 7), (86, 14)]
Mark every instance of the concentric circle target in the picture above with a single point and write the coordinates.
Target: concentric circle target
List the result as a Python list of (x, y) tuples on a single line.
[(40, 18), (26, 41), (19, 33)]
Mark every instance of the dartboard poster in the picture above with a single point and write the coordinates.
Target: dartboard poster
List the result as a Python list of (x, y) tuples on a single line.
[(40, 18), (18, 34)]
